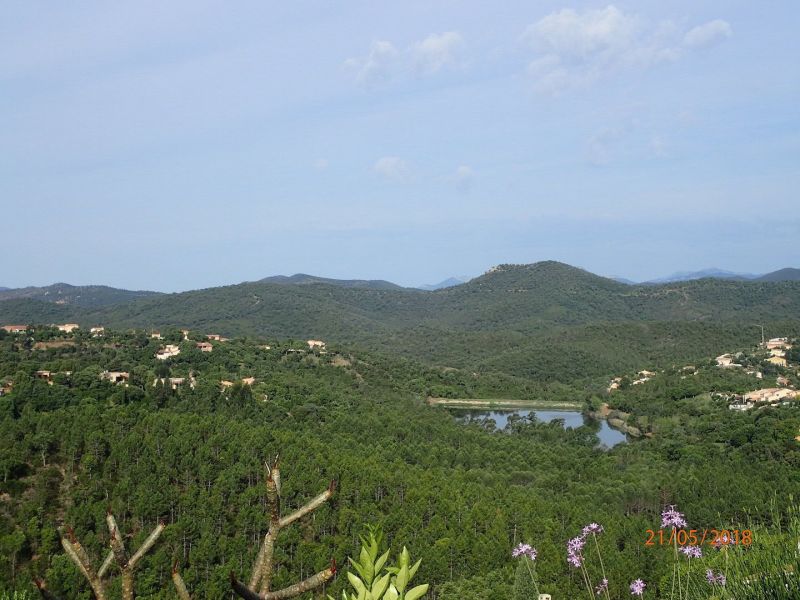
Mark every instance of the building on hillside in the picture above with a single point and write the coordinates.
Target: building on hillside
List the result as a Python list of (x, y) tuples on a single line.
[(316, 344), (44, 376), (97, 331), (68, 327), (777, 352), (782, 381), (248, 380), (614, 384), (156, 335), (185, 333), (174, 382), (726, 361), (777, 360), (168, 351), (204, 346), (15, 328), (226, 384), (116, 376), (216, 337), (780, 342), (757, 374), (770, 395)]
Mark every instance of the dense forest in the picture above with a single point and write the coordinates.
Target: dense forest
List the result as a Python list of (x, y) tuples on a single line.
[(183, 441)]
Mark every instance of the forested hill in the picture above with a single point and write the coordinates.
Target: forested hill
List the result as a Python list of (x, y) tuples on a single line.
[(90, 296), (561, 318)]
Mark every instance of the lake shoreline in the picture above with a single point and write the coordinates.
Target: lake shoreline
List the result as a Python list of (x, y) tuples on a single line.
[(503, 404)]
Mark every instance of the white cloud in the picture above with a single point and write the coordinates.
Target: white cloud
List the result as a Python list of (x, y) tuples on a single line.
[(576, 48), (393, 168), (708, 34), (580, 36), (425, 57), (463, 178), (437, 51), (377, 65)]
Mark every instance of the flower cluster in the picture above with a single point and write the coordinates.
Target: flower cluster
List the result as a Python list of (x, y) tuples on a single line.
[(672, 518), (591, 528), (574, 551), (524, 550), (692, 551), (602, 587), (715, 579), (723, 540), (637, 587), (576, 544)]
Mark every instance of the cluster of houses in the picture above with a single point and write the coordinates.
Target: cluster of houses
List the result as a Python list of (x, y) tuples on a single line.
[(164, 353), (17, 329), (643, 377), (777, 348), (765, 397)]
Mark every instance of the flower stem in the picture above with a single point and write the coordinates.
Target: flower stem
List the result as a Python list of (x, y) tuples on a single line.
[(533, 576), (602, 566)]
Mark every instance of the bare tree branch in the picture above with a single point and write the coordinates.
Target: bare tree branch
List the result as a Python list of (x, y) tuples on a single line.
[(117, 545), (311, 506), (180, 585), (78, 555), (106, 564), (292, 591), (261, 578), (148, 543)]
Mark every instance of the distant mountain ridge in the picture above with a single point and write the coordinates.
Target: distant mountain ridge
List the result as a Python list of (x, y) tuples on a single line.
[(449, 282), (532, 320), (788, 274), (87, 296), (305, 279)]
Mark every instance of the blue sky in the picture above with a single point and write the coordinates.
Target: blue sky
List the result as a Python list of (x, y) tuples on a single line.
[(180, 145)]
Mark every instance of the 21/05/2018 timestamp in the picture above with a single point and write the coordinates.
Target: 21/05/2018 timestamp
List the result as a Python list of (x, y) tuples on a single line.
[(698, 537)]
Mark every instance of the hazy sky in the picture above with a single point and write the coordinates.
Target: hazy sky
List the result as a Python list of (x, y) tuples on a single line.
[(176, 145)]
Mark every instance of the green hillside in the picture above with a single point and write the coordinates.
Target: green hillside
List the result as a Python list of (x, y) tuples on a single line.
[(545, 320), (90, 296)]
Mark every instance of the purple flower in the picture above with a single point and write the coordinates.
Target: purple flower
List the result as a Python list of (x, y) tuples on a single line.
[(637, 587), (602, 587), (718, 579), (574, 548), (672, 518), (692, 551), (723, 540), (592, 528), (524, 550)]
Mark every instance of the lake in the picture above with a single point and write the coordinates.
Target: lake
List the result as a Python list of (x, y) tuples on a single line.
[(572, 418)]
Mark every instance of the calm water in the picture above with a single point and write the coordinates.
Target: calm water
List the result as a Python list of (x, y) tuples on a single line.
[(572, 418)]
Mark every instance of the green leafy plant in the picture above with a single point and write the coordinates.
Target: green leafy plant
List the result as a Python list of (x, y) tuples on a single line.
[(373, 580)]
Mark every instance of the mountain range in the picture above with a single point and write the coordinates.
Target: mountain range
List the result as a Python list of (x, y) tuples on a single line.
[(542, 320)]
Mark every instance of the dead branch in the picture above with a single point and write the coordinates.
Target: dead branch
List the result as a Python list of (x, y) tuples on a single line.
[(180, 585), (261, 578), (97, 579)]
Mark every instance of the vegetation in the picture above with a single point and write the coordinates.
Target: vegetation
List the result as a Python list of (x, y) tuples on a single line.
[(183, 441)]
